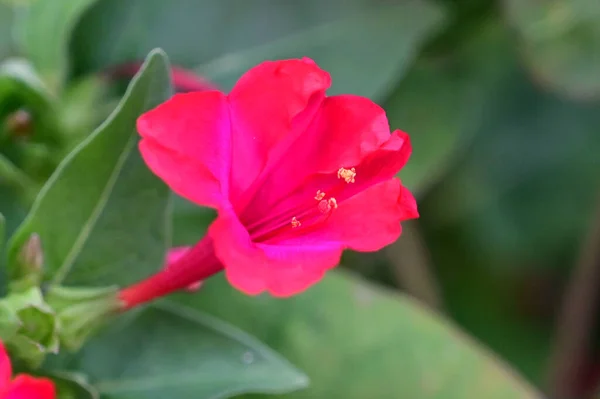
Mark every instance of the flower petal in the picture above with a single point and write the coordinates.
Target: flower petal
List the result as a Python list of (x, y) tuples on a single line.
[(5, 369), (348, 128), (186, 141), (282, 270), (382, 164), (277, 197), (269, 103), (347, 131), (408, 204), (365, 222), (27, 387)]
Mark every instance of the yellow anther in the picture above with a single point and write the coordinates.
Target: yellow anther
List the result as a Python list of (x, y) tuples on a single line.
[(332, 203), (295, 223), (347, 174), (320, 195)]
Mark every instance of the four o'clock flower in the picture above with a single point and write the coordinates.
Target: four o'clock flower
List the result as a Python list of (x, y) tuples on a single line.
[(296, 178), (23, 386)]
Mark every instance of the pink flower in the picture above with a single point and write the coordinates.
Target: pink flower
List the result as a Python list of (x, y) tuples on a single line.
[(23, 386), (296, 177)]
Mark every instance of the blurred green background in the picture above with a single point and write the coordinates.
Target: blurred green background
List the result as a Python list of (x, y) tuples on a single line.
[(500, 97)]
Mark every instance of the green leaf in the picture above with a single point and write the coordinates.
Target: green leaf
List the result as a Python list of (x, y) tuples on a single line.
[(435, 141), (20, 86), (102, 216), (358, 341), (561, 42), (364, 45), (519, 160), (457, 88), (190, 221), (27, 110), (174, 351), (2, 232), (72, 386), (345, 48), (83, 106), (17, 180), (44, 34), (511, 212), (14, 212), (17, 71), (7, 18)]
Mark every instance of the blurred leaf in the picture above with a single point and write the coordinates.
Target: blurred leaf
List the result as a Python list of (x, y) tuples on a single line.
[(505, 222), (16, 179), (6, 29), (82, 107), (18, 79), (441, 102), (514, 190), (190, 221), (174, 351), (73, 386), (561, 42), (102, 216), (27, 123), (358, 341), (14, 212), (431, 87), (364, 45), (345, 48), (2, 232), (44, 34), (20, 71)]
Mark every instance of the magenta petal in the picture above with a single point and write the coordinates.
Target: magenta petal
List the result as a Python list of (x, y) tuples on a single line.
[(187, 142), (28, 387), (5, 369), (348, 226), (282, 270), (269, 103)]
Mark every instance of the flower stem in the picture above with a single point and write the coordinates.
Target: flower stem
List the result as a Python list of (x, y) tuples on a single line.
[(197, 264)]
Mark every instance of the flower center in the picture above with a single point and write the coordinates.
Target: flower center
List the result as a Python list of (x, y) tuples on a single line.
[(307, 217)]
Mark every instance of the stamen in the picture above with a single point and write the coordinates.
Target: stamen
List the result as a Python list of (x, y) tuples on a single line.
[(295, 223), (327, 205), (324, 206), (332, 203), (320, 195), (347, 174)]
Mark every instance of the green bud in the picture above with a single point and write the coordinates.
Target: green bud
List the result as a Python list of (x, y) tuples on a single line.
[(30, 264), (82, 311), (28, 326)]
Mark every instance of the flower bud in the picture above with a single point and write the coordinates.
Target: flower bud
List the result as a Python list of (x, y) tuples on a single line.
[(81, 311)]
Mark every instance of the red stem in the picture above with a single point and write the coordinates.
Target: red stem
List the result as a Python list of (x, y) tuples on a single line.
[(197, 264)]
